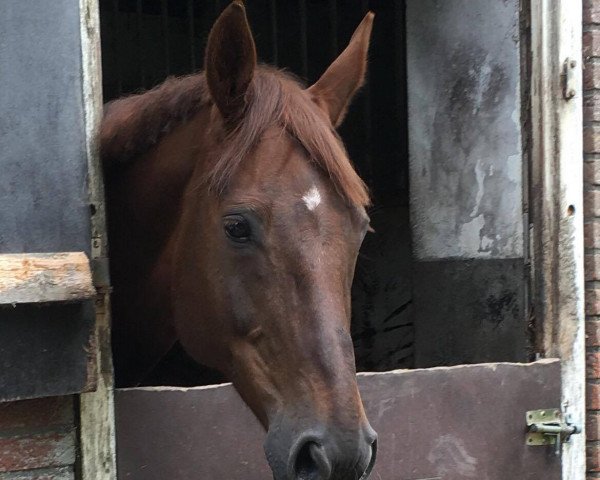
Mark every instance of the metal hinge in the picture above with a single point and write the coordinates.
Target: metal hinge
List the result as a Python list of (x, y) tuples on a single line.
[(99, 264), (100, 273), (549, 427), (569, 79)]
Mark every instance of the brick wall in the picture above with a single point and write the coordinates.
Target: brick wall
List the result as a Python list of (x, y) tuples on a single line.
[(37, 439), (591, 137)]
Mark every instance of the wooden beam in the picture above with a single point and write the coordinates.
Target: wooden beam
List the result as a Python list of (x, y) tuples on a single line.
[(96, 409), (557, 206), (45, 277)]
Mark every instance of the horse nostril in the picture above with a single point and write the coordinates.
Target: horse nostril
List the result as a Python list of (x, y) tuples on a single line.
[(372, 460), (311, 463), (305, 467)]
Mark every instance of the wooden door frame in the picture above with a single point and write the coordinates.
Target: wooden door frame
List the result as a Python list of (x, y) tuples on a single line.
[(96, 409), (556, 205)]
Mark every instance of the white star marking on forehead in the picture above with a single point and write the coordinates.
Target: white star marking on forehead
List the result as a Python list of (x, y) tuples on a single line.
[(312, 198)]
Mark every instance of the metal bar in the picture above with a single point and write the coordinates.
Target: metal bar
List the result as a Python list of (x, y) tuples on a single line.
[(140, 42), (555, 429), (273, 15), (400, 80), (303, 37), (334, 28), (115, 50), (164, 12), (218, 7), (191, 34), (367, 112)]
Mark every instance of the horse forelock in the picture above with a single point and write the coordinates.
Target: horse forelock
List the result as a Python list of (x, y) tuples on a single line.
[(134, 124)]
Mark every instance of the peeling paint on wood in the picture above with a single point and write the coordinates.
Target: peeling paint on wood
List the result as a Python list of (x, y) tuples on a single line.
[(37, 414), (45, 277), (97, 419), (557, 208), (44, 450), (61, 473)]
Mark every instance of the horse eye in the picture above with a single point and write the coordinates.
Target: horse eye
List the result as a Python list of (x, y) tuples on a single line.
[(237, 229)]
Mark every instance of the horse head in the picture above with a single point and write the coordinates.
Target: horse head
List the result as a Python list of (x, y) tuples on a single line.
[(263, 243)]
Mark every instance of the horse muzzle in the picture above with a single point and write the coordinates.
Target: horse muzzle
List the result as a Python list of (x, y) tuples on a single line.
[(322, 454)]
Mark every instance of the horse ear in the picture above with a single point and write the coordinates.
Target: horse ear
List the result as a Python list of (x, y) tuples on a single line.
[(336, 87), (230, 60)]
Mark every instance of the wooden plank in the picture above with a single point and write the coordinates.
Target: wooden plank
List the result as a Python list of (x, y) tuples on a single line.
[(454, 423), (557, 207), (45, 277), (96, 411)]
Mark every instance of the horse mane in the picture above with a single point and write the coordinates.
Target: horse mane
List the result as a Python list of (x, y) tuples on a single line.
[(133, 125)]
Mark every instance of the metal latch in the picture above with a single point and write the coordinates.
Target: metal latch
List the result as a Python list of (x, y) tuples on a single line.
[(549, 427)]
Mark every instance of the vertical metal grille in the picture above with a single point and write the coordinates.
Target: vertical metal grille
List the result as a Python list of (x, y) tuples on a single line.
[(164, 12), (140, 43), (303, 37), (191, 33), (273, 18), (114, 47)]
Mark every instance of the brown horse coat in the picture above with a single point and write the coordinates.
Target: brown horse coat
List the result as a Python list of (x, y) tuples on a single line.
[(235, 221)]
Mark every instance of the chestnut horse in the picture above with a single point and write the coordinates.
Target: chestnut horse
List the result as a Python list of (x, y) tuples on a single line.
[(235, 219)]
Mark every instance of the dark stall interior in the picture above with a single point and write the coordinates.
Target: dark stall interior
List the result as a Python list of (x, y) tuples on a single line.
[(144, 41)]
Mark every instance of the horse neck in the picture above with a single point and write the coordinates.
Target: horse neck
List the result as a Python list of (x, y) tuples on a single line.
[(144, 206), (148, 193)]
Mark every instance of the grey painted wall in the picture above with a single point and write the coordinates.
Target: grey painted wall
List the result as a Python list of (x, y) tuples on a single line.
[(464, 128), (44, 205), (43, 166), (466, 181)]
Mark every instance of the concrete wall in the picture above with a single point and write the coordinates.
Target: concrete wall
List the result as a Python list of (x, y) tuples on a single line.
[(466, 180), (465, 130)]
